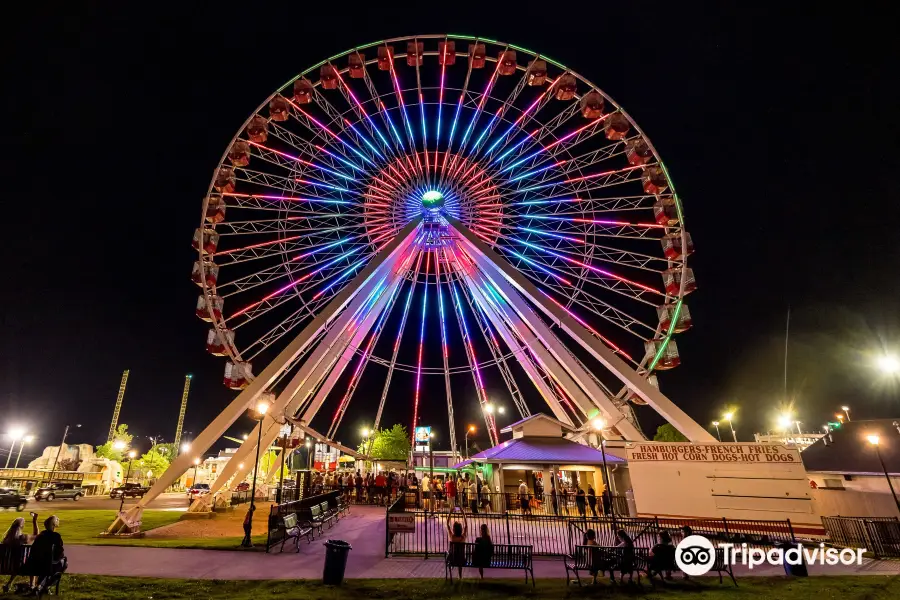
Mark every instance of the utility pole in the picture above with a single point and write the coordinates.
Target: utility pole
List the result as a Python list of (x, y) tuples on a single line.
[(184, 397), (119, 398)]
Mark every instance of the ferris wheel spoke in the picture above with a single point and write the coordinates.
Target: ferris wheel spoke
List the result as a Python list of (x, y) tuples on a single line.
[(524, 120), (506, 106), (609, 254), (295, 186), (328, 137), (366, 354), (360, 111), (339, 121), (534, 140), (586, 183), (547, 167), (398, 92), (387, 121), (335, 158), (294, 163)]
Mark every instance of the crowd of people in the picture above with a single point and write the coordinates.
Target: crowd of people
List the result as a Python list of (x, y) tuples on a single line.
[(447, 492), (45, 559)]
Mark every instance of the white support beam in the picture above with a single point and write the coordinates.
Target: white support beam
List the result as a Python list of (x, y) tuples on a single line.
[(215, 430), (556, 359), (501, 272), (317, 365), (519, 350)]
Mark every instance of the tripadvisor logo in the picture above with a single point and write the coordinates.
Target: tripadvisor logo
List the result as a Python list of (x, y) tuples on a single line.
[(696, 555)]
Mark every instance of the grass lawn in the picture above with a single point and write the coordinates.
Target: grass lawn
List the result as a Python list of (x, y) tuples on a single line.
[(84, 526), (756, 588)]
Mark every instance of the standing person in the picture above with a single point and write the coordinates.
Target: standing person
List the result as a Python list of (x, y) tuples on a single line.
[(248, 525), (473, 496), (450, 490), (580, 502), (592, 500), (484, 550), (47, 554), (457, 536), (13, 542), (380, 486), (464, 491), (523, 498), (426, 492), (486, 504), (554, 497), (359, 486), (607, 502)]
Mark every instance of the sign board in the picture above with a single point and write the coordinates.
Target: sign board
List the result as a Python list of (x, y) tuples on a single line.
[(423, 438), (713, 453), (401, 522)]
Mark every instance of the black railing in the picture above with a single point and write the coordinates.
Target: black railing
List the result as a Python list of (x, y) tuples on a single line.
[(241, 497), (879, 535), (565, 505), (644, 531)]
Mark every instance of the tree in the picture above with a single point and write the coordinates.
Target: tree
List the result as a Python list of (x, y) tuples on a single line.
[(108, 450), (667, 433), (388, 444), (154, 461), (168, 450)]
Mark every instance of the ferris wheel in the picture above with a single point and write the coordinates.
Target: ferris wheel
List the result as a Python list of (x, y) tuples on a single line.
[(442, 210)]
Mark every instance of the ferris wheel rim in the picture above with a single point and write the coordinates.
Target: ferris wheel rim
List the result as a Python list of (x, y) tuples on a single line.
[(647, 364)]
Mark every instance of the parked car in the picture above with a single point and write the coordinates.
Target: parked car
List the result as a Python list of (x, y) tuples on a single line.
[(198, 489), (60, 490), (135, 490), (11, 498), (242, 487)]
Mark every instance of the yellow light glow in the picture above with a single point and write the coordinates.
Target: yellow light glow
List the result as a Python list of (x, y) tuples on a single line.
[(889, 364), (599, 424), (873, 439), (132, 454), (785, 421), (196, 461), (728, 416)]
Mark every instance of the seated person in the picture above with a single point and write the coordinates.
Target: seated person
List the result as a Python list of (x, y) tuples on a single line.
[(484, 550), (14, 540), (662, 556), (47, 558)]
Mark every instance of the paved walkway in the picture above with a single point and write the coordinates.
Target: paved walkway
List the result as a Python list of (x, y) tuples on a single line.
[(364, 530)]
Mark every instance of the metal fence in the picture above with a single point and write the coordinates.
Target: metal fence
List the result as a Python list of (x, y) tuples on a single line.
[(879, 535), (552, 535), (644, 531), (240, 497), (500, 503)]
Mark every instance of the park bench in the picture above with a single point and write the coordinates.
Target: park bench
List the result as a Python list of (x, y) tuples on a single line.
[(658, 565), (505, 556), (329, 515), (317, 518), (12, 562), (343, 505), (286, 528), (600, 559)]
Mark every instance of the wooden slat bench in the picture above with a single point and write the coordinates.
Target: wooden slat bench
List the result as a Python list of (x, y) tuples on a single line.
[(505, 556), (602, 559), (12, 562), (287, 528)]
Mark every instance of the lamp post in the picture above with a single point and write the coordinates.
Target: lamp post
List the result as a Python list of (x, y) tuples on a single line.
[(15, 434), (284, 441), (846, 410), (307, 444), (26, 439), (718, 433), (431, 454), (469, 429), (729, 416), (874, 441), (61, 444), (185, 447), (258, 415), (196, 464), (131, 455), (599, 425)]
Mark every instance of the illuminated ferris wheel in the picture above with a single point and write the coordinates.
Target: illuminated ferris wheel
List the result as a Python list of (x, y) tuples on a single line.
[(442, 209)]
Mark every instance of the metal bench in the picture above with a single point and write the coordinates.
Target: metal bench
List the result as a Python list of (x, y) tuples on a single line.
[(12, 562), (329, 515), (317, 518), (286, 528), (504, 556), (600, 559), (657, 565)]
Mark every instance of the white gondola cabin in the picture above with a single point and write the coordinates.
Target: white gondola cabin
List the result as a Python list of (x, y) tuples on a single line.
[(212, 310), (206, 239), (672, 281), (217, 342), (209, 272)]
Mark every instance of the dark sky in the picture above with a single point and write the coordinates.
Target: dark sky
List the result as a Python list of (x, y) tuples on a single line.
[(780, 129)]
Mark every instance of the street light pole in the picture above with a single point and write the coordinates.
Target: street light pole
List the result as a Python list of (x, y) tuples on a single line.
[(27, 438), (718, 433), (846, 410), (728, 417), (874, 440), (131, 455), (259, 415), (16, 435), (469, 429), (56, 460)]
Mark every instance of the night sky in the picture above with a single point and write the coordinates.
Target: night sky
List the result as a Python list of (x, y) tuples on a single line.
[(780, 130)]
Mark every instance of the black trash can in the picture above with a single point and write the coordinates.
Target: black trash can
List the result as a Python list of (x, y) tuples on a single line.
[(336, 553), (797, 570)]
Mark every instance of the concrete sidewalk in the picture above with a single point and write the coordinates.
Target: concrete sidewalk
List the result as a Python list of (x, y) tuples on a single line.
[(364, 530)]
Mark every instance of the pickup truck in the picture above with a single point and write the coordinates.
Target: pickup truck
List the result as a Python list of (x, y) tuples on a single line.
[(59, 490), (129, 489)]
